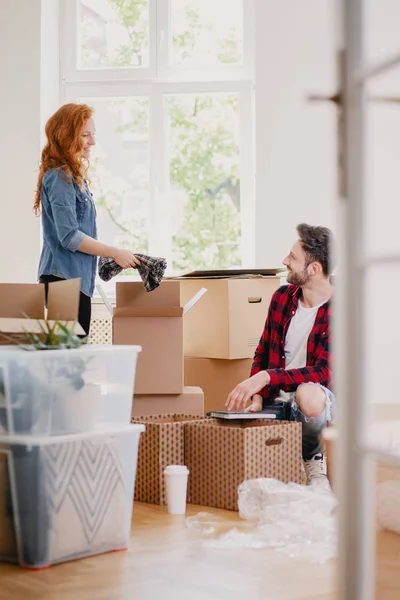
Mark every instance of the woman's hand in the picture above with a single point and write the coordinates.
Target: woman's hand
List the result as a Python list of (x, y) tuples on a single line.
[(125, 258)]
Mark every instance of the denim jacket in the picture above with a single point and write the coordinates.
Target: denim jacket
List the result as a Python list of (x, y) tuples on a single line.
[(68, 214)]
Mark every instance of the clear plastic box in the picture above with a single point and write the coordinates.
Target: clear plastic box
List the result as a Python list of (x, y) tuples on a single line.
[(67, 497), (55, 392)]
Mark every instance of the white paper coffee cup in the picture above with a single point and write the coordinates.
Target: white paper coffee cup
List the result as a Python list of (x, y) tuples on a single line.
[(176, 477)]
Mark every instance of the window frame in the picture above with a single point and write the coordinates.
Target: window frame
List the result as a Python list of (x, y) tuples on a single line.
[(69, 14), (157, 82)]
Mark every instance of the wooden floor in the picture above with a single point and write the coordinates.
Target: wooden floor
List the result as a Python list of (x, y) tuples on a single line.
[(167, 560)]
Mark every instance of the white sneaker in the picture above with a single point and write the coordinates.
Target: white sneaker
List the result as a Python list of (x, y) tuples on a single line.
[(316, 472)]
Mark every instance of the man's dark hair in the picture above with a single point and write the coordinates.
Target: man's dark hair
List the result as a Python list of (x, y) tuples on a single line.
[(317, 243)]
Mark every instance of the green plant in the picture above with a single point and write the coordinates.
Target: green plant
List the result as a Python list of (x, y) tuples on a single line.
[(54, 336), (57, 336)]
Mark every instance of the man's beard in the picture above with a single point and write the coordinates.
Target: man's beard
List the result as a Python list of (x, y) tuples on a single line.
[(298, 278)]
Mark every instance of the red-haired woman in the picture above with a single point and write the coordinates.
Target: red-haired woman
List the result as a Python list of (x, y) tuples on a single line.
[(70, 246)]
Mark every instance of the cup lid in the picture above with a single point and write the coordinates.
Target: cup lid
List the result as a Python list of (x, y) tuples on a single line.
[(176, 470)]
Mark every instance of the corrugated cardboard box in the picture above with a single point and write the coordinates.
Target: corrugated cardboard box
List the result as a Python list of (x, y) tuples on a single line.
[(222, 455), (162, 444), (216, 377), (191, 401), (154, 321), (229, 321), (22, 307)]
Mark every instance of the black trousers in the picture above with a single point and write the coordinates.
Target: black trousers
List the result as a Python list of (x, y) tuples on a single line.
[(85, 303)]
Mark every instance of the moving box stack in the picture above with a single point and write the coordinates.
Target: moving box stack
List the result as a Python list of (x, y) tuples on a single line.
[(221, 335), (162, 402), (220, 339), (217, 332)]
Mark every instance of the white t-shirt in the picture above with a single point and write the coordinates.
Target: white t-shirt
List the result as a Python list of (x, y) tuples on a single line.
[(296, 338)]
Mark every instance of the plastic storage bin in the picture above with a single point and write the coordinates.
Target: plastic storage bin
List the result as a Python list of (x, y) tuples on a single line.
[(67, 497), (55, 392)]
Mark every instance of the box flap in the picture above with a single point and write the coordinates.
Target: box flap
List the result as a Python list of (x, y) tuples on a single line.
[(158, 311), (226, 273), (105, 299), (134, 294), (63, 300), (189, 305), (19, 299), (147, 311)]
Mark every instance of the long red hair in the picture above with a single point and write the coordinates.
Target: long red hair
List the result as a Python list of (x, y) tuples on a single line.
[(64, 146)]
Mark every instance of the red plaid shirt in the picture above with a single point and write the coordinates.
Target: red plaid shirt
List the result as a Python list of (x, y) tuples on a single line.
[(270, 352)]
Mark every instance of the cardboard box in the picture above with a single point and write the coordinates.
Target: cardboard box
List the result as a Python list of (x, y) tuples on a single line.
[(221, 455), (229, 321), (162, 444), (216, 377), (22, 307), (154, 321), (191, 401)]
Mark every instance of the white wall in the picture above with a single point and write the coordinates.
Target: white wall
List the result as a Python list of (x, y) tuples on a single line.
[(21, 108), (382, 321), (296, 156), (295, 140)]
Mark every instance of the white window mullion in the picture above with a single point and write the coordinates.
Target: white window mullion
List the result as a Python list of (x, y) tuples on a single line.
[(247, 177), (248, 39), (160, 240), (153, 37), (163, 28), (111, 89), (203, 87)]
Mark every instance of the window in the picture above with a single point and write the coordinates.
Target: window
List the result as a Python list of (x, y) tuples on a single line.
[(206, 33), (120, 170), (171, 82), (204, 181), (110, 37)]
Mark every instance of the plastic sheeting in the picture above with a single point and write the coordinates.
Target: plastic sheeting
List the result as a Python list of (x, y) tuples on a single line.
[(297, 520), (388, 503)]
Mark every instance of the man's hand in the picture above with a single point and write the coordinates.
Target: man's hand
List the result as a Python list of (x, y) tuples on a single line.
[(239, 397), (256, 404)]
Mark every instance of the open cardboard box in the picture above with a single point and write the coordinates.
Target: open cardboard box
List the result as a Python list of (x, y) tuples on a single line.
[(22, 307), (221, 455), (154, 321), (229, 322)]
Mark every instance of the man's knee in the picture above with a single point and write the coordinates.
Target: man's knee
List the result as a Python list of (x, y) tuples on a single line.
[(310, 399)]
